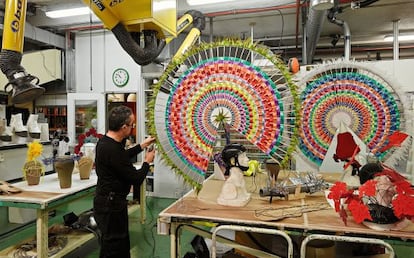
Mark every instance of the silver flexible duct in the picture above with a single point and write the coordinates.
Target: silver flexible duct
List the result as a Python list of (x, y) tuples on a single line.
[(10, 63), (22, 87), (313, 30)]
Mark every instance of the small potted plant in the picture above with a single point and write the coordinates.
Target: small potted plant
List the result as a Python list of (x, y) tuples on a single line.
[(33, 169), (85, 149)]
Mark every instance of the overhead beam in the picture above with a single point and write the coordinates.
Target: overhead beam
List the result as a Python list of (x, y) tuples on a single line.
[(42, 36)]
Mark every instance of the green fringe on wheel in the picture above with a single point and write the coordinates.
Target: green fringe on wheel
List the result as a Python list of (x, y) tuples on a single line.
[(227, 42)]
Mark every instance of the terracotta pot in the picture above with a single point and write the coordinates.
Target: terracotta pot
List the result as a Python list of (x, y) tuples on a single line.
[(64, 167), (32, 180), (85, 165), (33, 172)]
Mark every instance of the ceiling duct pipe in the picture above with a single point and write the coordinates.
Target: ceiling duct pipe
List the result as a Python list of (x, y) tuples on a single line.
[(322, 5), (396, 44), (313, 28), (347, 33)]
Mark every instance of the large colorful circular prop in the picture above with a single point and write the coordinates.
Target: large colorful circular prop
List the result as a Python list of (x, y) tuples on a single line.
[(353, 94), (244, 84)]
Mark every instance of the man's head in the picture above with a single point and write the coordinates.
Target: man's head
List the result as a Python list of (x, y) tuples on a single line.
[(121, 119), (234, 155)]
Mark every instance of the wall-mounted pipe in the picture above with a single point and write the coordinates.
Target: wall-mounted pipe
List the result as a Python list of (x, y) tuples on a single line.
[(396, 47), (211, 29), (347, 32)]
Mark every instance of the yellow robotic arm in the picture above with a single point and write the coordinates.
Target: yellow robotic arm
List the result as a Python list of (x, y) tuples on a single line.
[(22, 86), (151, 22), (154, 23)]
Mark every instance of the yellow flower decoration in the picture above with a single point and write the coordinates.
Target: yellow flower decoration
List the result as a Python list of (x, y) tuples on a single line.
[(35, 150)]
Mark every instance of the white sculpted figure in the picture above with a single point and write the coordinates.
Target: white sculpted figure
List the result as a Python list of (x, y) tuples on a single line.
[(233, 192)]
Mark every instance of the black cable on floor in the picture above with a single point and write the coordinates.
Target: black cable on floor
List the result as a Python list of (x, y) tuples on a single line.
[(150, 223)]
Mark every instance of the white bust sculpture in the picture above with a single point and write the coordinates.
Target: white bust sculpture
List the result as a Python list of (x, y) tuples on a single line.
[(233, 192)]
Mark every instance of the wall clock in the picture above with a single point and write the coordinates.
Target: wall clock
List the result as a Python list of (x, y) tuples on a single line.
[(120, 77)]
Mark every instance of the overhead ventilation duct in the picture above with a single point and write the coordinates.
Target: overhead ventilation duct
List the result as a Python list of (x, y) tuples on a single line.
[(312, 31), (321, 5)]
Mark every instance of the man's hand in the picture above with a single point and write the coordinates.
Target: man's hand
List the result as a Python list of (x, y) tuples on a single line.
[(149, 156), (148, 141)]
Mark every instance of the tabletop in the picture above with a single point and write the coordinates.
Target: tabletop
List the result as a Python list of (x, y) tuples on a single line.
[(47, 191), (279, 214)]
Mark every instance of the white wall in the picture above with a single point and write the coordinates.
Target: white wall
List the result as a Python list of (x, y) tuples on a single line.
[(399, 73), (106, 54)]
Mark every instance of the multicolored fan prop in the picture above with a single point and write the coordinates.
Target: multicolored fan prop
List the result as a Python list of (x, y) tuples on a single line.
[(239, 82), (344, 91)]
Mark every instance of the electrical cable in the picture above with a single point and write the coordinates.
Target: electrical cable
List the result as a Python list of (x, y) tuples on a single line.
[(151, 242)]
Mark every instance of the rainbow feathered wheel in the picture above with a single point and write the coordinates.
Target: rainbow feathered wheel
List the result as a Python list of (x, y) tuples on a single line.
[(349, 92), (238, 80)]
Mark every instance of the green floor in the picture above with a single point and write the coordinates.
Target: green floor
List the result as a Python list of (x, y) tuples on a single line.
[(145, 242)]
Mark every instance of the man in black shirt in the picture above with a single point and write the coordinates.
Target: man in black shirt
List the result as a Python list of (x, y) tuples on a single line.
[(116, 174)]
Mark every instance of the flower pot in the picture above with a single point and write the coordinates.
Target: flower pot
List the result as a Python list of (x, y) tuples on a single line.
[(85, 165), (33, 180), (64, 167), (32, 172)]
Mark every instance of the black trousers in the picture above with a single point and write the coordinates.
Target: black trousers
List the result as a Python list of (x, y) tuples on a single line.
[(111, 215)]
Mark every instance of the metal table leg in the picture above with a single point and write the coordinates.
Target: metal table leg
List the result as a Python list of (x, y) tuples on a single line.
[(42, 233), (142, 202), (173, 240), (309, 238)]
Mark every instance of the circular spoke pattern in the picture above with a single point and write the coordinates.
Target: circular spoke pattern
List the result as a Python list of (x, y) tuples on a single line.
[(350, 93), (237, 80)]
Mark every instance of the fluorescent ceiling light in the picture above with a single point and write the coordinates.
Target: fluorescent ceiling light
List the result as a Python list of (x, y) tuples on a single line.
[(407, 37), (68, 12), (202, 2)]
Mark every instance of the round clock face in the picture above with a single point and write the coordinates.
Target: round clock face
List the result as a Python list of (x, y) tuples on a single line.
[(120, 77)]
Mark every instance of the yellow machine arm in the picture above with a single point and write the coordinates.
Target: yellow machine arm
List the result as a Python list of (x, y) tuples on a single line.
[(151, 22), (22, 86)]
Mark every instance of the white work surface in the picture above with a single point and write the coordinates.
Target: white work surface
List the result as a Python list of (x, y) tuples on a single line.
[(38, 194), (46, 196)]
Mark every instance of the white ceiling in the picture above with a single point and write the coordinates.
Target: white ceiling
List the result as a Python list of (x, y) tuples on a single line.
[(272, 19)]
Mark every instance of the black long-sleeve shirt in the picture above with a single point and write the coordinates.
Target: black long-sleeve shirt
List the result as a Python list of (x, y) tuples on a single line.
[(115, 171)]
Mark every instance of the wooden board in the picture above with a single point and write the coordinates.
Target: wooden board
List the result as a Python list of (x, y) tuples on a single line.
[(33, 195)]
